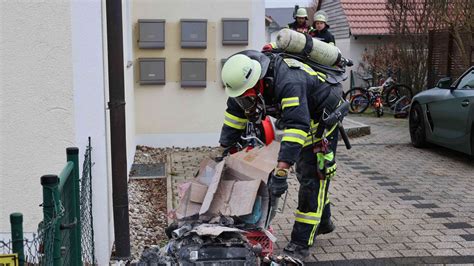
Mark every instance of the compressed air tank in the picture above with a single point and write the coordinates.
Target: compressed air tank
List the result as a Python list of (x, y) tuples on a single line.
[(295, 42)]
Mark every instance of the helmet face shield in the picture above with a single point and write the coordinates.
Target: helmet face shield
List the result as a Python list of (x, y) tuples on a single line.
[(252, 103), (246, 102)]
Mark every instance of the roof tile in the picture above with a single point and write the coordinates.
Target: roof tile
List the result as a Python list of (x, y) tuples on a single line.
[(366, 17)]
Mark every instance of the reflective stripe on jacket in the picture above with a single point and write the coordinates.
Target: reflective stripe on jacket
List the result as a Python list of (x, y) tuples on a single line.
[(234, 123)]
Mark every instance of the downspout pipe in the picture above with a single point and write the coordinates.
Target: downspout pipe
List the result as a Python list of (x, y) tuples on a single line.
[(117, 129)]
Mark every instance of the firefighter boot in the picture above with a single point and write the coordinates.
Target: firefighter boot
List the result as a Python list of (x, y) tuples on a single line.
[(296, 251), (325, 228)]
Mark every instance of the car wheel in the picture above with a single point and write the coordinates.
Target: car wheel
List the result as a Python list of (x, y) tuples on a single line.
[(417, 126)]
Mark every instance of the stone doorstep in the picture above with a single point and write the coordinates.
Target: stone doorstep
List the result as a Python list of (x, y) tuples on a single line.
[(355, 129)]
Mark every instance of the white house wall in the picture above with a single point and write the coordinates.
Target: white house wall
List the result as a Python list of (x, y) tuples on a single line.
[(351, 51), (129, 81), (168, 115), (36, 103), (53, 95), (353, 48), (90, 113)]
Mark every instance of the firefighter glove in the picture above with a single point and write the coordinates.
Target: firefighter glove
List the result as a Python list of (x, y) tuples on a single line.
[(278, 182), (222, 151), (327, 164), (267, 48)]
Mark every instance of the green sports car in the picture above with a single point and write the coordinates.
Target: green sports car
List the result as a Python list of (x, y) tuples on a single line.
[(444, 115)]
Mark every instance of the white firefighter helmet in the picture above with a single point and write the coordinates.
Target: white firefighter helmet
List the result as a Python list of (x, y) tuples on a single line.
[(321, 16), (239, 74), (301, 13)]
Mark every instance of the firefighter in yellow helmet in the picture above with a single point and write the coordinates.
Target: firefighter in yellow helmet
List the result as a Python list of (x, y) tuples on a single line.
[(301, 21), (254, 81)]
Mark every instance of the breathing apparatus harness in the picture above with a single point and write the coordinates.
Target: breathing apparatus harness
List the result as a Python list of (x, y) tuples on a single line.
[(334, 75), (253, 101)]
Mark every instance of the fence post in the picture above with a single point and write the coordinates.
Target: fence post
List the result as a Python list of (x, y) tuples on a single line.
[(50, 197), (449, 53), (16, 222), (431, 72), (73, 156)]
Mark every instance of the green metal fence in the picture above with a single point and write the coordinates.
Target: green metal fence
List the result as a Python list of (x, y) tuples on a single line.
[(16, 221), (61, 225), (66, 235), (30, 244), (87, 230)]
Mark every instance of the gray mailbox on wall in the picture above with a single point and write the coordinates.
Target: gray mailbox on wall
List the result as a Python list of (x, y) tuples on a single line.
[(152, 71), (235, 31), (193, 72), (194, 33), (151, 33), (223, 60)]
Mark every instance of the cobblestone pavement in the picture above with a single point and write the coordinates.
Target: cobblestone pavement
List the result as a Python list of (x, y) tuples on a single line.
[(392, 203)]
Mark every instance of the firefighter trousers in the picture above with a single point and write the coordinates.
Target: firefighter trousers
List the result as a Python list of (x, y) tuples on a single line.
[(313, 202)]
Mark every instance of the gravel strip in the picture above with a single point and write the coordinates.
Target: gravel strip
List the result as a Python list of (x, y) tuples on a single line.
[(147, 204), (147, 197), (148, 217)]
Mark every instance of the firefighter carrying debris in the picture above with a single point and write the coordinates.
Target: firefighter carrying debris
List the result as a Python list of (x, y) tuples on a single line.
[(256, 80)]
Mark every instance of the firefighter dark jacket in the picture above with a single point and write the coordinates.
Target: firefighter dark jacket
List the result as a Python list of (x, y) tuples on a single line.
[(302, 93), (324, 35), (303, 29)]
